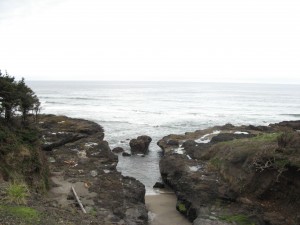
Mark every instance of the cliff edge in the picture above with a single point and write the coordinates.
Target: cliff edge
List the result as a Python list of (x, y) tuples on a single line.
[(235, 175), (76, 156)]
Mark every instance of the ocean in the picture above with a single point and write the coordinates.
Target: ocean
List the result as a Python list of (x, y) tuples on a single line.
[(129, 109)]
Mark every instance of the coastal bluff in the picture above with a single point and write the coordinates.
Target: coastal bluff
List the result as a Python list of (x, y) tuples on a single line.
[(81, 157), (77, 156), (244, 175)]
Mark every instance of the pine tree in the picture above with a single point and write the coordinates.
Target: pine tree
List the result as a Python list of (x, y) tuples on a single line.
[(16, 96)]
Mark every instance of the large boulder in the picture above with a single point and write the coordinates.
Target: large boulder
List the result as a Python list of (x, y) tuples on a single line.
[(140, 145), (117, 150)]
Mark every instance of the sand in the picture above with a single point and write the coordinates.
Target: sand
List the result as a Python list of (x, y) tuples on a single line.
[(162, 210)]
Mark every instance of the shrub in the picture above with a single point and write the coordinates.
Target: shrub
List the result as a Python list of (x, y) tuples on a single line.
[(17, 193), (215, 163), (284, 139)]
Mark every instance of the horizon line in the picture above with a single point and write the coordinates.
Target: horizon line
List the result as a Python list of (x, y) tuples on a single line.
[(167, 81)]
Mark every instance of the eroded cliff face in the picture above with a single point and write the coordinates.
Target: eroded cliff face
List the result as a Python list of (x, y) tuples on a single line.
[(242, 175), (21, 159)]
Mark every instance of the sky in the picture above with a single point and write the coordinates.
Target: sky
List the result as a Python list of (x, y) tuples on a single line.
[(160, 40)]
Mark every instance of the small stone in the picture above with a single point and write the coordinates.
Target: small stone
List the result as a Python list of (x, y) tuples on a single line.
[(94, 173), (51, 160), (159, 185), (106, 171)]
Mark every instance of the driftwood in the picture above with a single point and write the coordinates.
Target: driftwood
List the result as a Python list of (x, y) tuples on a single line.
[(78, 200), (71, 138)]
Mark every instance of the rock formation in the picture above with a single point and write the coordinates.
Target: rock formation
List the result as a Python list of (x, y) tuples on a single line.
[(87, 163), (242, 175), (117, 150), (140, 145)]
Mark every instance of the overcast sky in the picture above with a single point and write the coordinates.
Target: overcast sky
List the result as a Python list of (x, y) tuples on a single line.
[(190, 40)]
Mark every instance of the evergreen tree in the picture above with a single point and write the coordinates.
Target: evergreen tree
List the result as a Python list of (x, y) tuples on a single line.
[(8, 95), (16, 96)]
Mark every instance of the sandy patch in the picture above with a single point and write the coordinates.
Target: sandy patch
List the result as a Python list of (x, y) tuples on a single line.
[(63, 189), (162, 210)]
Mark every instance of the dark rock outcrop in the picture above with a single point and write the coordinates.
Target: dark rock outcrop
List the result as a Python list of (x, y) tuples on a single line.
[(295, 125), (159, 185), (126, 154), (228, 174), (89, 164), (229, 137), (173, 142), (140, 145), (117, 150)]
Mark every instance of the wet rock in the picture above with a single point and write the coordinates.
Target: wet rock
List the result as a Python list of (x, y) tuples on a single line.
[(291, 124), (229, 137), (140, 145), (136, 216), (225, 182), (259, 128), (117, 150), (189, 143), (200, 221), (228, 126), (102, 151), (173, 142), (126, 154), (159, 185)]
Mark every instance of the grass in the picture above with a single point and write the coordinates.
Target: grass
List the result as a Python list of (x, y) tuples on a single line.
[(238, 219), (23, 213), (256, 141), (215, 163), (241, 149), (181, 208), (267, 137), (17, 193)]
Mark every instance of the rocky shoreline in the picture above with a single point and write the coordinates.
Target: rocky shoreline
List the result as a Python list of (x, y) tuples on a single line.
[(77, 157), (80, 157), (221, 175), (235, 175)]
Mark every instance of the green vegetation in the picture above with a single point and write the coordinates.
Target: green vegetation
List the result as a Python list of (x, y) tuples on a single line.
[(246, 143), (26, 214), (20, 157), (285, 139), (238, 219), (181, 207), (215, 163), (17, 193), (266, 137), (243, 162), (93, 212), (16, 97)]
